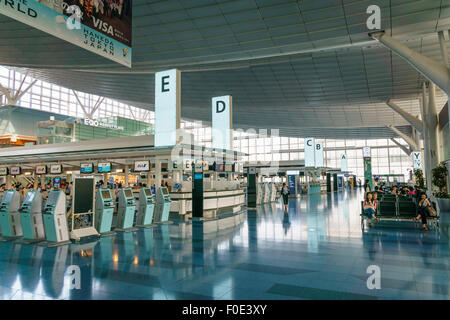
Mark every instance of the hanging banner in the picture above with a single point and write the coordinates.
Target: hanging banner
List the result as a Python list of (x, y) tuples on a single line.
[(103, 27), (319, 155), (222, 123), (417, 160), (167, 107), (344, 162), (368, 170), (310, 152)]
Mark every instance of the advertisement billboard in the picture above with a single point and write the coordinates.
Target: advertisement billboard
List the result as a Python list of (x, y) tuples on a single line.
[(100, 26)]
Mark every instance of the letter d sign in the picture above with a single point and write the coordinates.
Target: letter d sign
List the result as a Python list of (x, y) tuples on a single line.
[(220, 106)]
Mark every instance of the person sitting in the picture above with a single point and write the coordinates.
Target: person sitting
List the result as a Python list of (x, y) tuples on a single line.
[(411, 192), (394, 190), (370, 207), (404, 191), (424, 205)]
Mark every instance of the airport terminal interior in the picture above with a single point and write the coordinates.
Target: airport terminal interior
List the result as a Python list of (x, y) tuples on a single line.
[(224, 150)]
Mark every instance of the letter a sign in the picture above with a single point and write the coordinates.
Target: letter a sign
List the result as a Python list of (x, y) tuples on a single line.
[(222, 123), (343, 162)]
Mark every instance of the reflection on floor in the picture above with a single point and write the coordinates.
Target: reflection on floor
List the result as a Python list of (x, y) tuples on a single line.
[(317, 251)]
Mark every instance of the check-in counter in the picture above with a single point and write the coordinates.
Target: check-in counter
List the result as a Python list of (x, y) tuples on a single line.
[(214, 202)]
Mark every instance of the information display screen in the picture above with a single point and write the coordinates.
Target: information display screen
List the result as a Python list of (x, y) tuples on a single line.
[(106, 195), (104, 167), (165, 191), (86, 168), (15, 170), (128, 193), (57, 182), (3, 171), (228, 167), (41, 169), (55, 168), (29, 197), (148, 192)]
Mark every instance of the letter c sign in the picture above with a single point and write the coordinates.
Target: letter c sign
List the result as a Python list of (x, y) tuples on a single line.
[(309, 142)]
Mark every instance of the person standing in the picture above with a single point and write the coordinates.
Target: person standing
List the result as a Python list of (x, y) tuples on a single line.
[(285, 194)]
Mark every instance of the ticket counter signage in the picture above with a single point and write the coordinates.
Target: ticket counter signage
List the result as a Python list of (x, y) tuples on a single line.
[(104, 167), (86, 168), (142, 166), (108, 35), (15, 171), (41, 169), (55, 169)]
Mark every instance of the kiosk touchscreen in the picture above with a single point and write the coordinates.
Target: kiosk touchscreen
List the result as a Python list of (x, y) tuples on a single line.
[(31, 216), (162, 205), (127, 208), (55, 221), (9, 215), (104, 211), (146, 207)]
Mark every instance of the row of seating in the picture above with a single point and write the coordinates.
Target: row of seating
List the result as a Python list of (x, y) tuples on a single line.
[(397, 208)]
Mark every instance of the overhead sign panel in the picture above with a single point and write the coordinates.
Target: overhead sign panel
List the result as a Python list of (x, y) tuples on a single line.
[(319, 154), (98, 26), (417, 160), (344, 162), (222, 122), (366, 152), (310, 152), (167, 107)]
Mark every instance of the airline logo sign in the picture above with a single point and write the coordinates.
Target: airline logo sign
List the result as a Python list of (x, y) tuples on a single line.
[(344, 162), (319, 154), (3, 171), (15, 170), (310, 152), (222, 122), (417, 160), (167, 107), (108, 35), (143, 165), (41, 170)]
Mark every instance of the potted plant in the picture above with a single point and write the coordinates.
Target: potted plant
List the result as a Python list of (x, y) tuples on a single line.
[(420, 181), (439, 179)]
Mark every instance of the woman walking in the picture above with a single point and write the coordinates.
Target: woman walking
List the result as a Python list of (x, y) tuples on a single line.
[(285, 194)]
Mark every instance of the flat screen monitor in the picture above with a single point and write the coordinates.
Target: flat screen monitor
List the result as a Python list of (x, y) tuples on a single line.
[(29, 197), (3, 171), (41, 169), (219, 167), (228, 167), (128, 193), (55, 169), (148, 192), (142, 166), (104, 167), (15, 170), (165, 191), (56, 182), (86, 168), (106, 194)]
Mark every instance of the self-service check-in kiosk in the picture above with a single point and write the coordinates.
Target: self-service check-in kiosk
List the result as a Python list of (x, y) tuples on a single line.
[(104, 211), (127, 208), (162, 205), (9, 215), (146, 207), (55, 220), (31, 216)]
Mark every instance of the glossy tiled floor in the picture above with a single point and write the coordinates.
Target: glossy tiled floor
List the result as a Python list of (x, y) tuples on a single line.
[(318, 251)]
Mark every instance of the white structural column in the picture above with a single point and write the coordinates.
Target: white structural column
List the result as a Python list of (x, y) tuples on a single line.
[(426, 145), (126, 171), (158, 175), (416, 123), (432, 123), (410, 141)]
